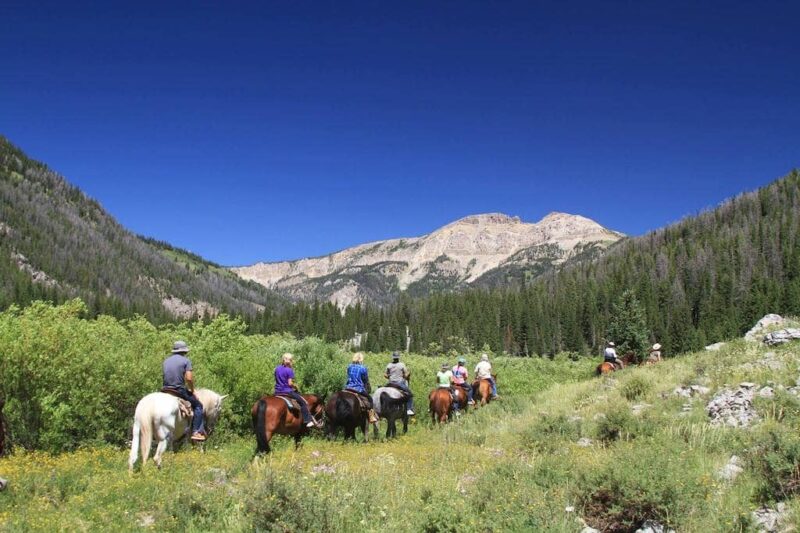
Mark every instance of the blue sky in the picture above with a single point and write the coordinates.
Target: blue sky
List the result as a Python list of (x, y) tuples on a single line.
[(266, 131)]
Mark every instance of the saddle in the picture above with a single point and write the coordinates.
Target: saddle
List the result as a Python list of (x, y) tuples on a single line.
[(361, 399), (291, 403), (184, 406), (395, 386)]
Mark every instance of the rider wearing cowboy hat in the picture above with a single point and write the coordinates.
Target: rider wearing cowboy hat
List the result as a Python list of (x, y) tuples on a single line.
[(397, 374), (179, 381), (610, 355)]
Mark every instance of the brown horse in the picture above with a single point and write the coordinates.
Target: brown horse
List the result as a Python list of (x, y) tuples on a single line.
[(440, 403), (272, 416), (629, 359), (460, 396), (482, 391)]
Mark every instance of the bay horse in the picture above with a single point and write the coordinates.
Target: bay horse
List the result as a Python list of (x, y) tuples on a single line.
[(390, 403), (460, 396), (440, 404), (158, 414), (606, 367), (271, 416), (482, 391), (344, 410)]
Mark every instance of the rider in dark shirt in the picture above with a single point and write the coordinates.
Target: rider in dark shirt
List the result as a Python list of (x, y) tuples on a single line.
[(178, 380)]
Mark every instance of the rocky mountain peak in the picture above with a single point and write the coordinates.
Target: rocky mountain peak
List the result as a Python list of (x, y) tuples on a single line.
[(486, 219), (455, 256)]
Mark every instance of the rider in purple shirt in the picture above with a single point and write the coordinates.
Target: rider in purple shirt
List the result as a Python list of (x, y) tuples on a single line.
[(285, 386)]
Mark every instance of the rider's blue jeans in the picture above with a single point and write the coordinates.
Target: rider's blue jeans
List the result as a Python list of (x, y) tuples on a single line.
[(303, 405), (404, 386), (197, 410)]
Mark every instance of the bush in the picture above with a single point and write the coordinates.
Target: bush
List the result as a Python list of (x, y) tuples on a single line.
[(280, 504), (619, 424), (636, 387), (549, 433), (639, 483), (775, 457)]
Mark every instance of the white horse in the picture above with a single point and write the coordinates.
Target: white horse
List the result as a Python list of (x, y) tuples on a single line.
[(159, 414)]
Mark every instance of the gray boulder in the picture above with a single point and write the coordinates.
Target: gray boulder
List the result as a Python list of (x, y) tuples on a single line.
[(757, 331)]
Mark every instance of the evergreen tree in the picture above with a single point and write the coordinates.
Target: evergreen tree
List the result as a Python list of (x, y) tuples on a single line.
[(628, 327)]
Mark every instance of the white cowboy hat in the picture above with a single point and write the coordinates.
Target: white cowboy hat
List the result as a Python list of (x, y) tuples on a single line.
[(656, 346)]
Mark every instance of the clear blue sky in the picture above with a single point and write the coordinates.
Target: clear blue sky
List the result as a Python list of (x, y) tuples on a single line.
[(266, 131)]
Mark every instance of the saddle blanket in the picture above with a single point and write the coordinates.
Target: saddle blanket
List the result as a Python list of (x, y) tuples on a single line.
[(361, 399), (291, 403), (184, 406)]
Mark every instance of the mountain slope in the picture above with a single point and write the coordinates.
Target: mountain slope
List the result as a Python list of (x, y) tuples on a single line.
[(481, 250), (705, 278), (57, 243)]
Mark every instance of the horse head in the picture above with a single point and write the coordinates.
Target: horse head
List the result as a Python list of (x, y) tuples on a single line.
[(212, 405)]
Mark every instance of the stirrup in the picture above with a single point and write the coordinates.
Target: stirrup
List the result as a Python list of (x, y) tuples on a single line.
[(198, 437)]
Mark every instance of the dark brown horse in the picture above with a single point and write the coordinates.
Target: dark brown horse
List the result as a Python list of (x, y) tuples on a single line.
[(440, 403), (482, 391), (272, 416), (344, 410)]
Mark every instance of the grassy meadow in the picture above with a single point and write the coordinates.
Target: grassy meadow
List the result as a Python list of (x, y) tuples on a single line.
[(515, 465)]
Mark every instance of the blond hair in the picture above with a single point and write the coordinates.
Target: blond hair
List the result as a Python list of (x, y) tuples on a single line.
[(358, 357), (287, 358)]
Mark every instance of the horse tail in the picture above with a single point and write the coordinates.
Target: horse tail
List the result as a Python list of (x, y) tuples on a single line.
[(134, 445), (145, 435), (262, 445), (343, 409)]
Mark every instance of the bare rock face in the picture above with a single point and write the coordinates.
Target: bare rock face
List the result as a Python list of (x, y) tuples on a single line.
[(768, 520), (757, 331), (733, 408), (781, 336), (731, 470), (453, 256)]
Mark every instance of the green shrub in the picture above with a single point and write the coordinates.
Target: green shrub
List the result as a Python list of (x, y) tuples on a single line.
[(550, 432), (280, 504), (651, 480), (775, 457), (618, 424), (636, 387)]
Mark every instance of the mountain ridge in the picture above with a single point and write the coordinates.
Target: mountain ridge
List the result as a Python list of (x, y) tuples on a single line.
[(451, 257)]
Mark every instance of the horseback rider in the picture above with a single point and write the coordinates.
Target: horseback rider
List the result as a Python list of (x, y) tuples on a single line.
[(610, 356), (483, 370), (655, 353), (460, 377), (285, 385), (358, 381), (397, 374), (444, 378), (178, 380)]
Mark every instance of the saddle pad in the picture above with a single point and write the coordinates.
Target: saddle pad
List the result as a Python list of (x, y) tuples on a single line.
[(185, 408), (361, 399), (291, 403)]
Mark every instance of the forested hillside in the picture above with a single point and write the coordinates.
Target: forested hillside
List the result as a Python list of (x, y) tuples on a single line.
[(706, 278), (57, 243)]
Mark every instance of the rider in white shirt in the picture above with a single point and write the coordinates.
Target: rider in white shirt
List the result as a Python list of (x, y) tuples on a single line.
[(483, 370)]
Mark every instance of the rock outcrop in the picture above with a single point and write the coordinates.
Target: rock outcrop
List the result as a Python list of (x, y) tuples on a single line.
[(733, 408), (476, 250)]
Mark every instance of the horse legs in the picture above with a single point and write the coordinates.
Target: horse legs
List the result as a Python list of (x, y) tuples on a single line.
[(365, 429), (297, 438), (163, 441), (405, 423)]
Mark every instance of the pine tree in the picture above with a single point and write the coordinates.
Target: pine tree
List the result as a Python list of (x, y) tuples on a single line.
[(628, 327)]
